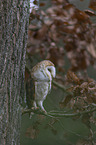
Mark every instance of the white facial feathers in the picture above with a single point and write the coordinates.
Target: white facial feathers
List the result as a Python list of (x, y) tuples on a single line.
[(43, 71), (51, 72)]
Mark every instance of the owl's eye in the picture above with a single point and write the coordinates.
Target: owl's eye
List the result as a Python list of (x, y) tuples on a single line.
[(49, 70)]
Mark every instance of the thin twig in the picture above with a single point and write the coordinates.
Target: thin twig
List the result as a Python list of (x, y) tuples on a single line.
[(61, 87), (72, 115)]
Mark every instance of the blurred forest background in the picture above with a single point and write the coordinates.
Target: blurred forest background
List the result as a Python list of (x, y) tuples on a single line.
[(64, 31)]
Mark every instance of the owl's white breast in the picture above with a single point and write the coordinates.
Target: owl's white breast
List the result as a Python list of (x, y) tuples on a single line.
[(41, 90), (40, 75)]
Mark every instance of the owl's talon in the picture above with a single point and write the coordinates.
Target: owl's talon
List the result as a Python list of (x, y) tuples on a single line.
[(43, 111), (35, 108)]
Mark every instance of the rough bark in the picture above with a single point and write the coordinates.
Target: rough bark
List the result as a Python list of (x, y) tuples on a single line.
[(14, 26)]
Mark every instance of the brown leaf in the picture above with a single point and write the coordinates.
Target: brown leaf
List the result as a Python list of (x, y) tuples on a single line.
[(72, 77), (92, 4), (90, 13), (92, 49), (42, 4), (81, 16), (84, 85)]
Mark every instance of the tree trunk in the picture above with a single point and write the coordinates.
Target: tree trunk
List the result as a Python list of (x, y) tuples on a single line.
[(14, 26)]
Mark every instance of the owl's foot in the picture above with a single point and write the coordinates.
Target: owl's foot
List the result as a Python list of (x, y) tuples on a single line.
[(35, 108), (43, 111)]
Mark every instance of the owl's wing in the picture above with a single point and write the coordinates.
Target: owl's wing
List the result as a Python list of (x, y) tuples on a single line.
[(30, 91), (49, 88)]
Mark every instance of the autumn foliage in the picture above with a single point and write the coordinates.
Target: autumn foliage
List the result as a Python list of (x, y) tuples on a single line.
[(65, 34)]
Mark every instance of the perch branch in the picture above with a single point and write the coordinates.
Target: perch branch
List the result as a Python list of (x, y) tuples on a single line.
[(25, 111), (59, 114)]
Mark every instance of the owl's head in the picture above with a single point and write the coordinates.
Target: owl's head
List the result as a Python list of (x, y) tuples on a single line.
[(43, 71)]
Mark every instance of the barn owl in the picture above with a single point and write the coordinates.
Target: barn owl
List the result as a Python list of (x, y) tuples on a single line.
[(42, 74)]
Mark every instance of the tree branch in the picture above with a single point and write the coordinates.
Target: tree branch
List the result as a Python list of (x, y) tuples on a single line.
[(59, 114), (25, 111), (72, 115), (61, 87)]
